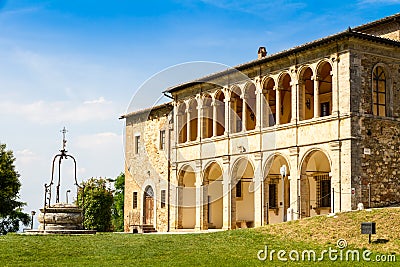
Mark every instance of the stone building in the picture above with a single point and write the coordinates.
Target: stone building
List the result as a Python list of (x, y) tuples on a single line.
[(311, 130)]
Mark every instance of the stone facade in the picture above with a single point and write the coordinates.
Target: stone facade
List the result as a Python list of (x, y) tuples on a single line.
[(308, 131), (146, 165)]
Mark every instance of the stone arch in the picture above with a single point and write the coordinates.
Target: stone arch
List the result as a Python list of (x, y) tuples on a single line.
[(213, 193), (269, 98), (182, 122), (266, 79), (207, 116), (242, 193), (276, 189), (306, 92), (308, 154), (285, 96), (320, 63), (186, 196), (219, 102), (249, 105), (236, 109), (315, 183), (323, 99), (192, 114), (236, 163), (211, 162), (271, 158)]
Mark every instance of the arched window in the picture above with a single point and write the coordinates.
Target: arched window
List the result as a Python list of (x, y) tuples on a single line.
[(379, 92)]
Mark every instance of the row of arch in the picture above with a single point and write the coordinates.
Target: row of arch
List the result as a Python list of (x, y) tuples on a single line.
[(242, 107), (315, 192)]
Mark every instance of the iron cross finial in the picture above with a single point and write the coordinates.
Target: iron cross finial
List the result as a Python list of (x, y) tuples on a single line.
[(64, 131)]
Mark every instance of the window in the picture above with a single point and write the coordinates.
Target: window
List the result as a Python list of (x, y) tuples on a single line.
[(137, 142), (323, 191), (162, 198), (379, 92), (238, 125), (239, 189), (134, 201), (273, 196), (272, 119), (325, 109), (162, 139)]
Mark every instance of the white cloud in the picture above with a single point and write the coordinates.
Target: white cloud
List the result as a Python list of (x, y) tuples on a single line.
[(46, 112), (100, 100), (100, 141), (26, 156)]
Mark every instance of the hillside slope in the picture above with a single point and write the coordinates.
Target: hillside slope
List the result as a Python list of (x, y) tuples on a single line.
[(327, 230)]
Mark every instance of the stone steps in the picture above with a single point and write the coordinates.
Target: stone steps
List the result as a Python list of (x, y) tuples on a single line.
[(148, 229)]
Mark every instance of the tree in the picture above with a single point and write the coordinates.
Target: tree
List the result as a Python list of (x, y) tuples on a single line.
[(118, 205), (11, 214), (96, 200)]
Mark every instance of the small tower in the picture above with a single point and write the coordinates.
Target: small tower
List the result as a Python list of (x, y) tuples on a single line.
[(262, 52)]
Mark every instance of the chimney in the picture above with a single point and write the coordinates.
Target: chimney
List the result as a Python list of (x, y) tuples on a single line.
[(262, 52)]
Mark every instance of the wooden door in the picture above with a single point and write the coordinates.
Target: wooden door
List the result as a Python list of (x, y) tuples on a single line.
[(149, 204)]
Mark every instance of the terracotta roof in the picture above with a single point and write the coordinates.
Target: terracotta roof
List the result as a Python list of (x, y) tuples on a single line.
[(376, 22), (145, 110), (342, 35)]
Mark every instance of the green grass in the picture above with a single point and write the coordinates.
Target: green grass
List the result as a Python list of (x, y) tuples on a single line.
[(229, 248)]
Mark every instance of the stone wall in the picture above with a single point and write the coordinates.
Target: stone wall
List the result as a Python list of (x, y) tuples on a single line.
[(390, 30), (149, 167), (376, 143)]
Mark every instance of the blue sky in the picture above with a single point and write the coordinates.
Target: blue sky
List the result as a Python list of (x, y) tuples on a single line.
[(78, 63)]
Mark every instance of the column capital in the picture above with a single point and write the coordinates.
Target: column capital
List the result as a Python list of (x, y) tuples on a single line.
[(316, 78), (294, 151), (198, 164), (335, 145), (174, 166), (257, 156), (257, 79), (225, 159)]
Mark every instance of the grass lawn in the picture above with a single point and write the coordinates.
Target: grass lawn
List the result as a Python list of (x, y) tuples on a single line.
[(229, 248)]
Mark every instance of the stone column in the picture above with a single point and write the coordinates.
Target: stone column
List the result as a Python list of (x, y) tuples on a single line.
[(176, 125), (215, 118), (316, 97), (234, 116), (199, 198), (335, 176), (199, 118), (258, 197), (175, 204), (294, 86), (278, 106), (244, 112), (228, 116), (335, 85), (301, 101), (188, 117), (266, 108), (294, 182), (226, 198), (259, 105)]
